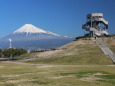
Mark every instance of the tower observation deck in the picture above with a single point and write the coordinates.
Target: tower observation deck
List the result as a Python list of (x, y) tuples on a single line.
[(96, 24)]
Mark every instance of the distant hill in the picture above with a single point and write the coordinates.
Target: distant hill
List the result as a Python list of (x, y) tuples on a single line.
[(80, 52)]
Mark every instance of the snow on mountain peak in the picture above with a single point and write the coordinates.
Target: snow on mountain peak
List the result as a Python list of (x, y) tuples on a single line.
[(29, 28)]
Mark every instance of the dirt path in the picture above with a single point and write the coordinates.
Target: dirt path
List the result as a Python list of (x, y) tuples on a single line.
[(58, 65)]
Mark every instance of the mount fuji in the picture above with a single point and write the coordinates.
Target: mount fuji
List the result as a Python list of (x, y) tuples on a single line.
[(32, 38)]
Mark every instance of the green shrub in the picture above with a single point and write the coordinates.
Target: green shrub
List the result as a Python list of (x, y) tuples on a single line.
[(13, 52)]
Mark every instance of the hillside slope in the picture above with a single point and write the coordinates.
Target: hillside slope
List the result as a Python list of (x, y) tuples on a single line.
[(80, 52)]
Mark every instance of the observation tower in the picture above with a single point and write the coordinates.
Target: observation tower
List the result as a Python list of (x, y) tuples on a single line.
[(96, 25)]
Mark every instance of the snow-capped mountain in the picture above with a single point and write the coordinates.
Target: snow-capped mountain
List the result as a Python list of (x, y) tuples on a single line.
[(32, 38), (29, 29)]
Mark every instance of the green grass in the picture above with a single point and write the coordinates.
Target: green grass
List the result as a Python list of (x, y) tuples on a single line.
[(108, 81), (9, 84), (113, 48), (25, 56), (85, 74), (82, 73), (81, 52), (82, 56), (111, 44), (39, 82), (112, 76), (12, 74)]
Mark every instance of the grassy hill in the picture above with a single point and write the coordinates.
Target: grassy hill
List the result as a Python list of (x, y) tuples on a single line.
[(88, 67), (79, 52), (111, 43)]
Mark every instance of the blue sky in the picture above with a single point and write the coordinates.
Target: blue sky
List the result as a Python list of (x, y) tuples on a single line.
[(63, 17)]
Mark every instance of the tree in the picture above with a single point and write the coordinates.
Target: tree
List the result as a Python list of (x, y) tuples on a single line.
[(0, 52), (11, 52)]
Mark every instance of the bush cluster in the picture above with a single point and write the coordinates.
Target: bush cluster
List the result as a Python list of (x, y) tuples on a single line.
[(12, 52)]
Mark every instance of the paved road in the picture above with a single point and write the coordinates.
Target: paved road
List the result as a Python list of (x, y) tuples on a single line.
[(104, 47), (106, 51)]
